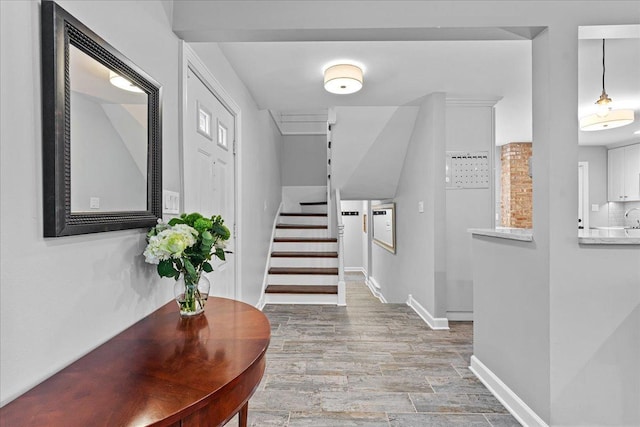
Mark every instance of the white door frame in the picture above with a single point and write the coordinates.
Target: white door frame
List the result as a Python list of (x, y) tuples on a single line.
[(191, 61), (583, 192)]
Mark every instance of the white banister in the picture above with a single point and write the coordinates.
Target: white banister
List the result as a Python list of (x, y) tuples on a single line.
[(342, 290), (329, 211)]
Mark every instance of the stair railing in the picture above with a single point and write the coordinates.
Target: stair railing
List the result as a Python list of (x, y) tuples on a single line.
[(329, 212), (342, 290)]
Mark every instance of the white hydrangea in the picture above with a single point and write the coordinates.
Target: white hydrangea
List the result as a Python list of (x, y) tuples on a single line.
[(170, 243)]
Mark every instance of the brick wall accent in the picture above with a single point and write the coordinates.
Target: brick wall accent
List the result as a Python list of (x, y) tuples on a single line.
[(517, 187)]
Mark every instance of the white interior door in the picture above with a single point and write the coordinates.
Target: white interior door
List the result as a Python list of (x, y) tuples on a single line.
[(208, 168)]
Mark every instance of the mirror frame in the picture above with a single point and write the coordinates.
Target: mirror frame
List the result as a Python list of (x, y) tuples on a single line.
[(59, 30), (391, 248)]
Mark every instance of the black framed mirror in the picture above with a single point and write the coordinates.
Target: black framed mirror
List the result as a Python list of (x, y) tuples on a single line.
[(384, 226), (102, 133)]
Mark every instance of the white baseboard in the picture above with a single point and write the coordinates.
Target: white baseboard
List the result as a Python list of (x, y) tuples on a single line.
[(460, 316), (261, 303), (520, 411), (436, 323), (355, 270), (374, 283), (374, 287)]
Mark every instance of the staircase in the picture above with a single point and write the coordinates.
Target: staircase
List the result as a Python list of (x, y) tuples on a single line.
[(304, 261)]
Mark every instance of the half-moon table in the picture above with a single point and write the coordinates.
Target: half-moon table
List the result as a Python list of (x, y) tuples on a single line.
[(163, 371)]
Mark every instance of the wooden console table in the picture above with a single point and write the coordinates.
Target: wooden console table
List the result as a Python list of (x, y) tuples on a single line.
[(162, 371)]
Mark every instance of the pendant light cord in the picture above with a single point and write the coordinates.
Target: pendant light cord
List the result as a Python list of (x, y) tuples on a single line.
[(603, 67)]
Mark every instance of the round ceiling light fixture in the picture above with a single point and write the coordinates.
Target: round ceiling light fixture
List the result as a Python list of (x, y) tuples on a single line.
[(120, 82), (343, 79)]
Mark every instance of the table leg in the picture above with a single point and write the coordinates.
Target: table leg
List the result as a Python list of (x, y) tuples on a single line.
[(242, 415)]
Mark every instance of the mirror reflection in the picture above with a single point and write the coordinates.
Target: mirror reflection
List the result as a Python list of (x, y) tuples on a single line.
[(108, 138), (384, 226), (609, 136)]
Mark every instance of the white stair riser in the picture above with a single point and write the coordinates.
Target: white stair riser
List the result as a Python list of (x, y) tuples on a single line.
[(301, 299), (314, 209), (298, 232), (304, 262), (305, 220), (302, 246), (302, 279)]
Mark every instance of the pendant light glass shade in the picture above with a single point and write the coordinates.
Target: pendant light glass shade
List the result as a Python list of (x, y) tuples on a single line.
[(606, 117), (615, 119), (343, 79)]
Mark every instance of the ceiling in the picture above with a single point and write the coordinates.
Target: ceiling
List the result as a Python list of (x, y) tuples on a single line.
[(396, 73), (402, 65)]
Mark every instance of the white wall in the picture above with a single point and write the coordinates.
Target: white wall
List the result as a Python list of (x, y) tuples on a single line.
[(352, 235), (91, 287), (304, 160), (582, 302), (259, 168), (369, 146), (597, 159), (466, 208), (418, 266), (511, 317), (62, 297)]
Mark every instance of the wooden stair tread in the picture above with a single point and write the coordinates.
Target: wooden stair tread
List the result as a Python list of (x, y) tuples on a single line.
[(304, 270), (304, 254), (312, 203), (305, 239), (301, 226), (302, 289), (302, 214)]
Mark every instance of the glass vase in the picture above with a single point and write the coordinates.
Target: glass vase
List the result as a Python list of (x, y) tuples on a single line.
[(191, 297)]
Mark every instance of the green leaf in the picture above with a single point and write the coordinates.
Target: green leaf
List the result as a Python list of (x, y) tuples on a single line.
[(165, 269), (191, 270), (207, 237), (192, 218), (207, 267), (220, 253), (174, 221)]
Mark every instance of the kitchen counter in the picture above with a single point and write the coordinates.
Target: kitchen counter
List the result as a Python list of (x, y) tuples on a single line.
[(521, 234), (599, 236), (609, 236)]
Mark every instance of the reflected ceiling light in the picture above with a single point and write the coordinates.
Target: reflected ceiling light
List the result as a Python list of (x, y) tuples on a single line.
[(606, 117), (343, 79), (120, 82)]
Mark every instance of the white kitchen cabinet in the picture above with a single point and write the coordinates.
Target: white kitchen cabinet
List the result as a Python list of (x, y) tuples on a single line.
[(624, 173)]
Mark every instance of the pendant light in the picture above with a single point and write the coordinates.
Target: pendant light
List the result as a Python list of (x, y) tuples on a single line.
[(606, 117)]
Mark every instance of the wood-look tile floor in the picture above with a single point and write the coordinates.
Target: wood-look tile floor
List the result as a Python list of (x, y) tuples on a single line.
[(369, 364)]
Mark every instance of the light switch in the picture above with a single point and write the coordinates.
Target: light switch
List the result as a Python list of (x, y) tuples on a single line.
[(170, 202), (94, 203), (421, 206)]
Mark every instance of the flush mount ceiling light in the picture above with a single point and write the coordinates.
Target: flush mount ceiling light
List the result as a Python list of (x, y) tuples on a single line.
[(120, 82), (606, 117), (343, 79)]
